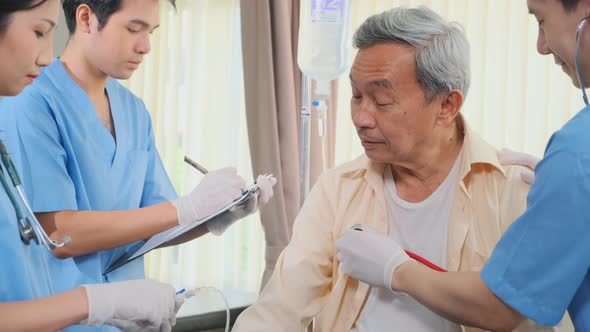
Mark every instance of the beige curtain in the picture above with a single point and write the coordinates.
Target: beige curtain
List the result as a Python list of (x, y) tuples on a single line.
[(272, 89), (273, 96)]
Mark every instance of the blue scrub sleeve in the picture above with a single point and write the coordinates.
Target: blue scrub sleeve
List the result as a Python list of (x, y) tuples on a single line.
[(542, 259), (41, 156), (157, 186)]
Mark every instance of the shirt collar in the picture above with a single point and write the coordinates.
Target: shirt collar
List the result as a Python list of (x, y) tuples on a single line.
[(474, 151)]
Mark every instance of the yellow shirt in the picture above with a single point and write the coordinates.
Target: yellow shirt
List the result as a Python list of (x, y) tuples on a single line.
[(307, 282)]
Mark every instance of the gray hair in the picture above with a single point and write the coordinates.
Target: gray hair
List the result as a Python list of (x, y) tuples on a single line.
[(442, 49)]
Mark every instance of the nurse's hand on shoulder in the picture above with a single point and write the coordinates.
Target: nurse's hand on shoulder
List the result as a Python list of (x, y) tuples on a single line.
[(509, 157), (369, 256), (135, 305), (217, 189)]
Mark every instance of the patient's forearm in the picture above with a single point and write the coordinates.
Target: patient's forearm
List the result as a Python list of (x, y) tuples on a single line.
[(462, 297), (92, 231)]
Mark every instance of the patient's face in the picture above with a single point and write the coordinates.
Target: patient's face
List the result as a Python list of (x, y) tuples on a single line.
[(393, 119)]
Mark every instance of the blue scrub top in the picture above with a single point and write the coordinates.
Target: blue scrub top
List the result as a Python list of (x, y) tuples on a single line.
[(540, 267), (70, 161), (24, 274)]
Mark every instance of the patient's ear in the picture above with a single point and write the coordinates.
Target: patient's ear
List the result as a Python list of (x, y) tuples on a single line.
[(450, 107)]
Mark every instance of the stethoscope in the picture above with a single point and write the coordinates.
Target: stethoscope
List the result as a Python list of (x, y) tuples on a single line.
[(578, 69), (28, 231)]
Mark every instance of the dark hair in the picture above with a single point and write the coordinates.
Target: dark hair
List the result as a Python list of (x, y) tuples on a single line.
[(569, 5), (103, 9), (8, 7)]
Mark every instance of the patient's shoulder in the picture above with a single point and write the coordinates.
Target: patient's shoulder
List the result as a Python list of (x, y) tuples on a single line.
[(351, 169)]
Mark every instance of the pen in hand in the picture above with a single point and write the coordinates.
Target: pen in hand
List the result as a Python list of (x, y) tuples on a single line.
[(195, 165)]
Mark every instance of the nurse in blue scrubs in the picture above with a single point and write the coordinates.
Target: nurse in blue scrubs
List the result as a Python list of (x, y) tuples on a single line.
[(27, 298), (85, 147)]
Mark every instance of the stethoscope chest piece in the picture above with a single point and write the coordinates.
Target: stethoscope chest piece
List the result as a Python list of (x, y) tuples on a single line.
[(27, 233)]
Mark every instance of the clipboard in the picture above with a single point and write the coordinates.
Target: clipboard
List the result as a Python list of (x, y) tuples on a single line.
[(249, 196)]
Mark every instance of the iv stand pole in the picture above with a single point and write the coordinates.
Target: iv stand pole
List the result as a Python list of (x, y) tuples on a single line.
[(304, 147)]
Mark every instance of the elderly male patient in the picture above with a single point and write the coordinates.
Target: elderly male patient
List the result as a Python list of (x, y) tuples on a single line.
[(425, 179)]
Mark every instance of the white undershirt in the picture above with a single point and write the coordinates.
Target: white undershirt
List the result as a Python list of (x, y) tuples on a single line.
[(422, 228)]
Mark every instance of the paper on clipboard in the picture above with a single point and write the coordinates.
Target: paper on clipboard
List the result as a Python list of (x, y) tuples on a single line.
[(170, 234)]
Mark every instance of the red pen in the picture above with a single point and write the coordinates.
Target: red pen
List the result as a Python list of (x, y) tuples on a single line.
[(424, 261), (412, 255)]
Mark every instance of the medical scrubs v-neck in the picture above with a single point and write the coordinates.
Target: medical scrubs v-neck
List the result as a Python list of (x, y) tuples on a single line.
[(70, 161)]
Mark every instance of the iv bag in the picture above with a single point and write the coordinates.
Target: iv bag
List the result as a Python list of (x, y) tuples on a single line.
[(324, 44)]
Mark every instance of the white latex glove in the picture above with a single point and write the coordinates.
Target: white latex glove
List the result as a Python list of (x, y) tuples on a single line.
[(129, 326), (216, 190), (509, 157), (135, 305), (369, 256), (265, 184), (220, 224)]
